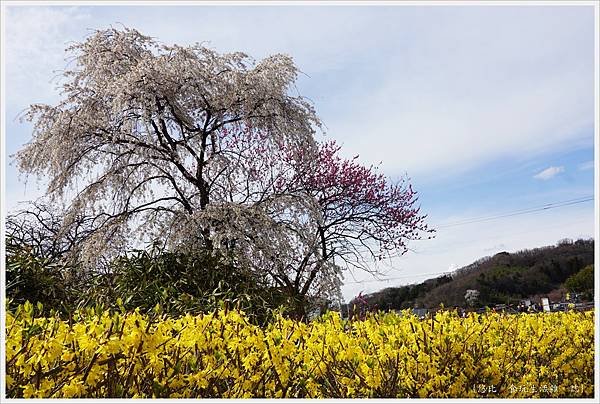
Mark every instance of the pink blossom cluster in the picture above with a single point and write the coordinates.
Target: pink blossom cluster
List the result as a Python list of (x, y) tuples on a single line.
[(352, 194)]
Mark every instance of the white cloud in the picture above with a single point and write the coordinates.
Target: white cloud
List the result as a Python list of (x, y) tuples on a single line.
[(588, 165), (549, 173), (422, 89), (473, 88), (36, 38), (495, 248)]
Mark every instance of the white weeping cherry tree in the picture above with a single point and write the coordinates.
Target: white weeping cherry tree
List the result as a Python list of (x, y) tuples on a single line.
[(205, 150)]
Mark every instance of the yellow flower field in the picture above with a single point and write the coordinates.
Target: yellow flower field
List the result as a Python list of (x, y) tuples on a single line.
[(221, 354)]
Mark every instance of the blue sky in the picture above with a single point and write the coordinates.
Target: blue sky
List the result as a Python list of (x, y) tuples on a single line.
[(487, 109)]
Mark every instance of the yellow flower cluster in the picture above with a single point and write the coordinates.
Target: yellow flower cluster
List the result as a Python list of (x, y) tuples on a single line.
[(103, 354)]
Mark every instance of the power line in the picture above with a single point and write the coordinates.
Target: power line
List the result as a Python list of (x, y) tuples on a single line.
[(451, 246), (539, 208)]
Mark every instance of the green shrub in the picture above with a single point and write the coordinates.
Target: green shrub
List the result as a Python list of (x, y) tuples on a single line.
[(30, 277), (189, 283), (582, 282), (180, 282)]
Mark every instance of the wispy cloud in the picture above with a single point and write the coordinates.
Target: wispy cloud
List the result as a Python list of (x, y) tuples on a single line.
[(496, 248), (36, 38), (549, 173), (430, 119), (379, 74), (588, 165)]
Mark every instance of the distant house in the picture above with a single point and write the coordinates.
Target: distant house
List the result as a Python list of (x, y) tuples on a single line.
[(420, 312)]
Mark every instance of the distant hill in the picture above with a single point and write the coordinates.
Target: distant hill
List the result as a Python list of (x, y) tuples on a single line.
[(505, 278)]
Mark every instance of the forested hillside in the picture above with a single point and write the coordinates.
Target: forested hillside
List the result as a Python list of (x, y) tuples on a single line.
[(503, 278)]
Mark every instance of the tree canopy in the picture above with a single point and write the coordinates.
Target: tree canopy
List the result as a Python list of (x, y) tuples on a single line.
[(198, 149)]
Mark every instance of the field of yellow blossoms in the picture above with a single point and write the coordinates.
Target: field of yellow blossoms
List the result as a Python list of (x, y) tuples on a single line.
[(117, 354)]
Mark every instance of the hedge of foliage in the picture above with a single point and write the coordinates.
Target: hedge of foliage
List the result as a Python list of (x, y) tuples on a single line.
[(180, 282), (221, 354)]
